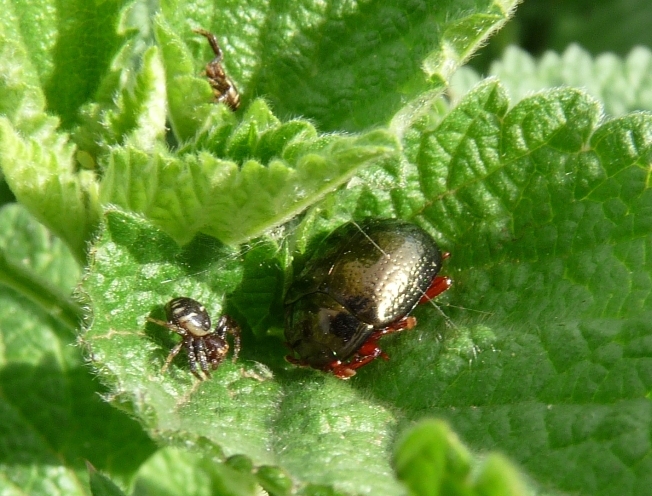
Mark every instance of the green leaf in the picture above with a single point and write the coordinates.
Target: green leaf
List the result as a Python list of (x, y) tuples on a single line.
[(546, 213), (431, 460), (543, 353), (101, 485), (189, 95), (545, 210), (193, 474), (21, 99), (277, 418), (622, 85), (79, 49), (36, 159), (51, 410), (276, 482), (135, 116), (40, 172), (197, 192), (128, 97), (348, 66)]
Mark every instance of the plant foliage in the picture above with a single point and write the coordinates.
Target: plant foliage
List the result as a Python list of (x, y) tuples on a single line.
[(531, 375)]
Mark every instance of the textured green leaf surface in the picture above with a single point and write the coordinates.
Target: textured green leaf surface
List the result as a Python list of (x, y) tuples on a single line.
[(622, 85), (102, 75), (51, 409), (542, 355), (234, 202), (346, 65), (546, 213), (544, 350), (282, 418), (129, 109), (40, 172), (431, 461), (36, 159)]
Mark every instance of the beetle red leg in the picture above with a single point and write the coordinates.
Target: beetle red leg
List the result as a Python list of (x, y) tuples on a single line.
[(405, 324), (336, 367), (295, 361), (369, 350), (339, 370), (438, 286)]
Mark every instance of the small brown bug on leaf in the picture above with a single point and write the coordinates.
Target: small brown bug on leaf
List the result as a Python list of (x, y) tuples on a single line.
[(190, 320), (223, 86)]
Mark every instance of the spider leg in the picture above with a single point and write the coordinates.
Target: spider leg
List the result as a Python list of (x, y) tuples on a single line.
[(212, 41), (224, 89), (221, 327), (192, 358), (167, 325), (235, 332), (175, 351), (200, 353), (227, 325)]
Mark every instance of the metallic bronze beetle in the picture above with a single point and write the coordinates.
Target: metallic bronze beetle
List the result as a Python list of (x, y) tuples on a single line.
[(361, 283)]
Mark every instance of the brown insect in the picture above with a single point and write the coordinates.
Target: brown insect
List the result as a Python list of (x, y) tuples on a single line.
[(223, 86)]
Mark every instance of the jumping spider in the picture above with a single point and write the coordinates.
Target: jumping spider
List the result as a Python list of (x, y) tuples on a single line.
[(223, 86), (190, 320)]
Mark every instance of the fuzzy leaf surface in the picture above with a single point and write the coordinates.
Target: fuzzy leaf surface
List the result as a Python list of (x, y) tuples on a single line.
[(284, 169), (275, 418), (50, 403), (621, 84), (545, 210), (544, 207), (36, 159), (344, 65), (114, 74)]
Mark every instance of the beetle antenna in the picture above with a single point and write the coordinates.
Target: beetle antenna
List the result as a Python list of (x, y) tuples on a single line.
[(371, 240), (449, 322), (467, 309)]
